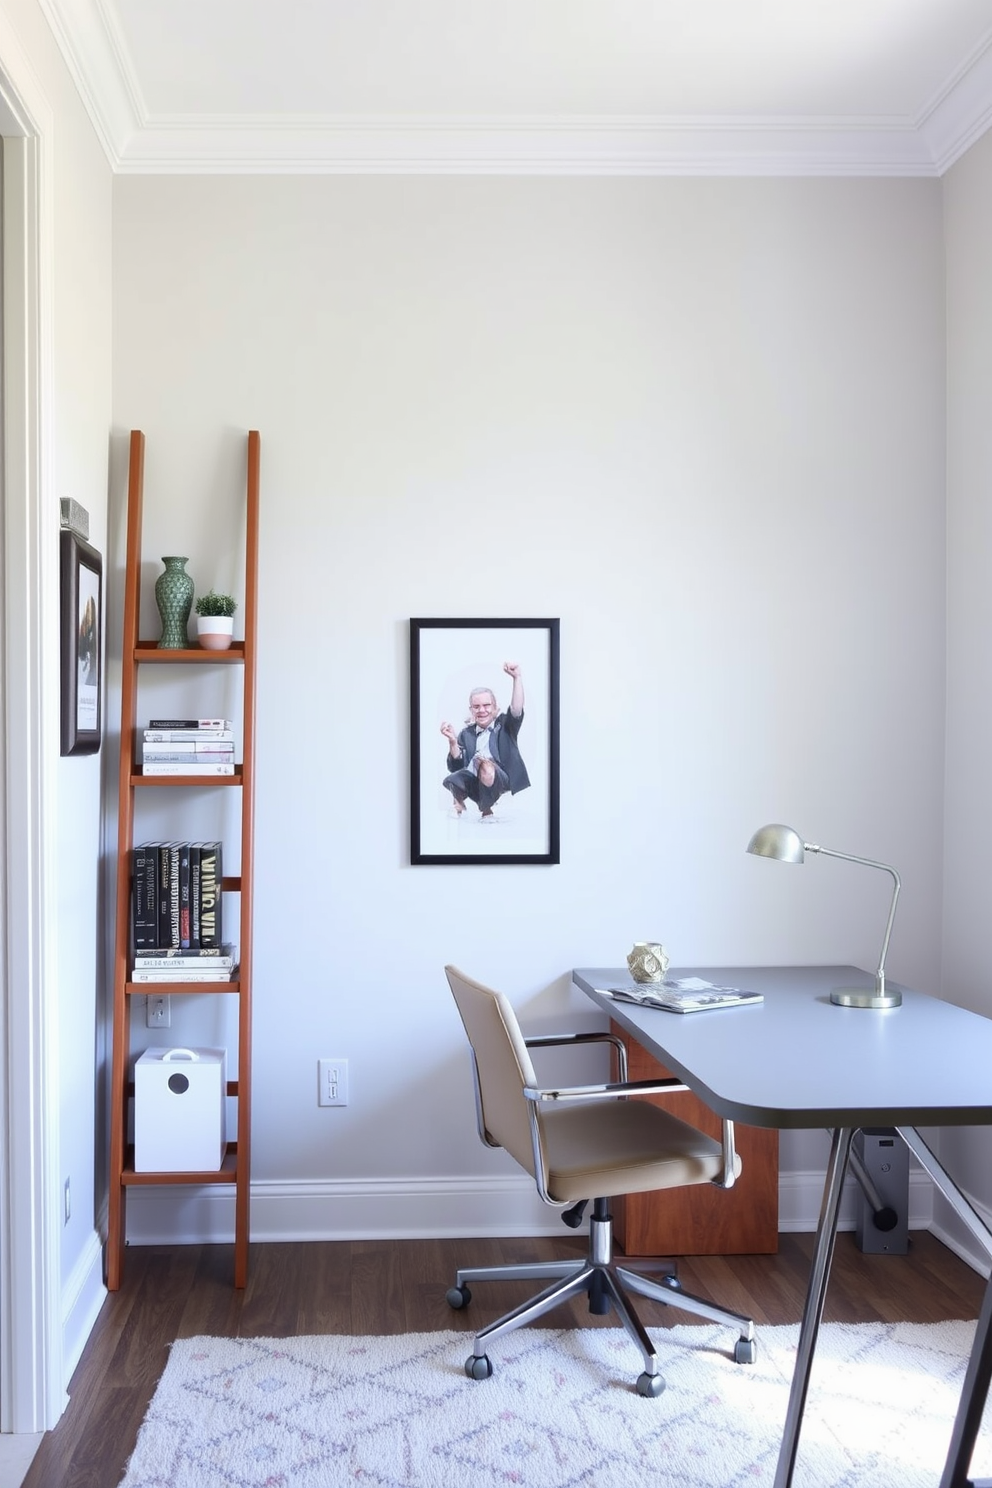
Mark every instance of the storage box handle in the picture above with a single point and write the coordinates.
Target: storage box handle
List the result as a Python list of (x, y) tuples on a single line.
[(171, 1054)]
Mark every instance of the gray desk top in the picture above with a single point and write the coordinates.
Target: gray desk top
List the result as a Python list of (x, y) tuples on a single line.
[(796, 1060)]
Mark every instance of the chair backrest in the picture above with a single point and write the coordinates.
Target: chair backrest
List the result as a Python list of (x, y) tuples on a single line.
[(503, 1065)]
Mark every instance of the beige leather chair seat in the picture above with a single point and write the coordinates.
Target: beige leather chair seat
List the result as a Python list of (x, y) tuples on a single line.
[(626, 1147)]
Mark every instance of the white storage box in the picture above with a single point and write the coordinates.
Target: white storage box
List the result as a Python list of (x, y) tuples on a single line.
[(179, 1101)]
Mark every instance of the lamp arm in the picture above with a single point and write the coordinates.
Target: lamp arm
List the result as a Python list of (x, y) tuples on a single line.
[(829, 852)]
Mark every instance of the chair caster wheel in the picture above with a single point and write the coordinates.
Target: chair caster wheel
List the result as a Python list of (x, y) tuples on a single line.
[(478, 1366), (745, 1351), (458, 1297), (650, 1385)]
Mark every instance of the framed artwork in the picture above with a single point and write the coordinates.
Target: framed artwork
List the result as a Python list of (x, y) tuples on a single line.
[(483, 741), (82, 651)]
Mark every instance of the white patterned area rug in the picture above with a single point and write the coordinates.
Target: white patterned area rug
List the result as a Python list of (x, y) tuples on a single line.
[(559, 1411)]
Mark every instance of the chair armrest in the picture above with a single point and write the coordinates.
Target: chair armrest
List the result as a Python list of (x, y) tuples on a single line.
[(729, 1177), (556, 1040), (536, 1040), (605, 1092)]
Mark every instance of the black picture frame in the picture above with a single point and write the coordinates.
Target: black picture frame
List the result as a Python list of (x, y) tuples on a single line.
[(511, 810), (81, 573)]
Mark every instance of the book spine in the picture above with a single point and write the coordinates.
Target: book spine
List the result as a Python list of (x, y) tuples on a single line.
[(210, 895), (164, 914), (174, 894), (145, 897), (189, 736), (184, 895), (187, 747), (153, 850), (194, 895), (155, 756), (181, 976), (176, 960), (190, 723), (177, 767)]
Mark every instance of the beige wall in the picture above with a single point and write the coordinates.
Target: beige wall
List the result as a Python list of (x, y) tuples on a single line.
[(701, 422)]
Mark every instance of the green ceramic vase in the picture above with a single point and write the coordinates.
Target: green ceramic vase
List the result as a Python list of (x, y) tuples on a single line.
[(174, 597)]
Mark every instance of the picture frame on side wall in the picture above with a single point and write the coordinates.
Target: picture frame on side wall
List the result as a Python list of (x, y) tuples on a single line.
[(484, 741), (81, 572)]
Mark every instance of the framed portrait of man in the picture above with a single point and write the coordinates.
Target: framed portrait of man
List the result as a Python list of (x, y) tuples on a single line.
[(484, 741)]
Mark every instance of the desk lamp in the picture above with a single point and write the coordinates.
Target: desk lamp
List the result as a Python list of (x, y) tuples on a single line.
[(785, 844)]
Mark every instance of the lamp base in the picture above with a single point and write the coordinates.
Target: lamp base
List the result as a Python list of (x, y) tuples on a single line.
[(865, 997)]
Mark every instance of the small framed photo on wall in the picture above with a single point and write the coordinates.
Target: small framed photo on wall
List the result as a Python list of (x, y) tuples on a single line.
[(82, 644), (484, 741)]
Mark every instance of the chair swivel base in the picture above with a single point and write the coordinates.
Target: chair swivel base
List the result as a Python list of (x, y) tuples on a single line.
[(600, 1277)]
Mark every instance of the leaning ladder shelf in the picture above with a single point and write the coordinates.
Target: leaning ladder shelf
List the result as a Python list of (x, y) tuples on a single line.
[(135, 654)]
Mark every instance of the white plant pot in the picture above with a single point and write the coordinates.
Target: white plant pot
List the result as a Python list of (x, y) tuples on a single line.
[(215, 632)]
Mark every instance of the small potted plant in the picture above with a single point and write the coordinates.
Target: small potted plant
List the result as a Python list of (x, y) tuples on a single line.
[(215, 620)]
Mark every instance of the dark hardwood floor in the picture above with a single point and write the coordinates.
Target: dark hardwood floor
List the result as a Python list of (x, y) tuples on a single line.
[(398, 1286)]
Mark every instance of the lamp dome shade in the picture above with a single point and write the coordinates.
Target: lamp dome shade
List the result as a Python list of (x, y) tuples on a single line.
[(777, 841)]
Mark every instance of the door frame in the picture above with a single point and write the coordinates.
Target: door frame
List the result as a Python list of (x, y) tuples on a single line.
[(32, 1388)]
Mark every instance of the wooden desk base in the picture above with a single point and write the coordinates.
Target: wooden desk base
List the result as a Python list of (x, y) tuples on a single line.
[(701, 1220)]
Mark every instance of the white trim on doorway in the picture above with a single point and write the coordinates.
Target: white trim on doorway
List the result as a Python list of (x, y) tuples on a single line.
[(32, 1386)]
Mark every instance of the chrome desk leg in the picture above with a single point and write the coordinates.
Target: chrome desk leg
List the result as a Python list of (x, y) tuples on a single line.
[(974, 1393), (826, 1233)]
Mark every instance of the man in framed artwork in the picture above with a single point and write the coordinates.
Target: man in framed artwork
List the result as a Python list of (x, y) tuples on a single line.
[(483, 757)]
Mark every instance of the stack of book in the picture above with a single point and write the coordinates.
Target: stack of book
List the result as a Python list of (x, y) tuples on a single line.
[(188, 746), (176, 899)]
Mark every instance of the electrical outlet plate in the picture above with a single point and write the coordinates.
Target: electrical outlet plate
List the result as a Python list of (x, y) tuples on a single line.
[(158, 1010), (332, 1082)]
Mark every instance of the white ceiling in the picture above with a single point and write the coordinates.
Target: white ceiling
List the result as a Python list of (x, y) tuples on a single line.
[(812, 87)]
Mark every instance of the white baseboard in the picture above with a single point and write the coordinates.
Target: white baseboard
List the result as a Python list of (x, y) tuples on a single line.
[(408, 1209), (957, 1237), (373, 1209), (82, 1297)]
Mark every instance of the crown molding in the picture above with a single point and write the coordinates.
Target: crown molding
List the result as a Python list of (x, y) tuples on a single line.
[(405, 145), (137, 142), (98, 60), (962, 112)]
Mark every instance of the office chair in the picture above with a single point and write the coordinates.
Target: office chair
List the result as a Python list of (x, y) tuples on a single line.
[(581, 1144)]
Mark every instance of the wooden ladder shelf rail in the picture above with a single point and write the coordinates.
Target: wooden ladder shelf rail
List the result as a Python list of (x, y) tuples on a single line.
[(235, 1168)]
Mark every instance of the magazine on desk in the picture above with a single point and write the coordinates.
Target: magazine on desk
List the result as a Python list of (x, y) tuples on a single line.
[(684, 995)]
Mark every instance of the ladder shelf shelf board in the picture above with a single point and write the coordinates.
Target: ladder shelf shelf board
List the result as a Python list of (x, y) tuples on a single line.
[(147, 651), (135, 989), (169, 782), (136, 653), (227, 1173)]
